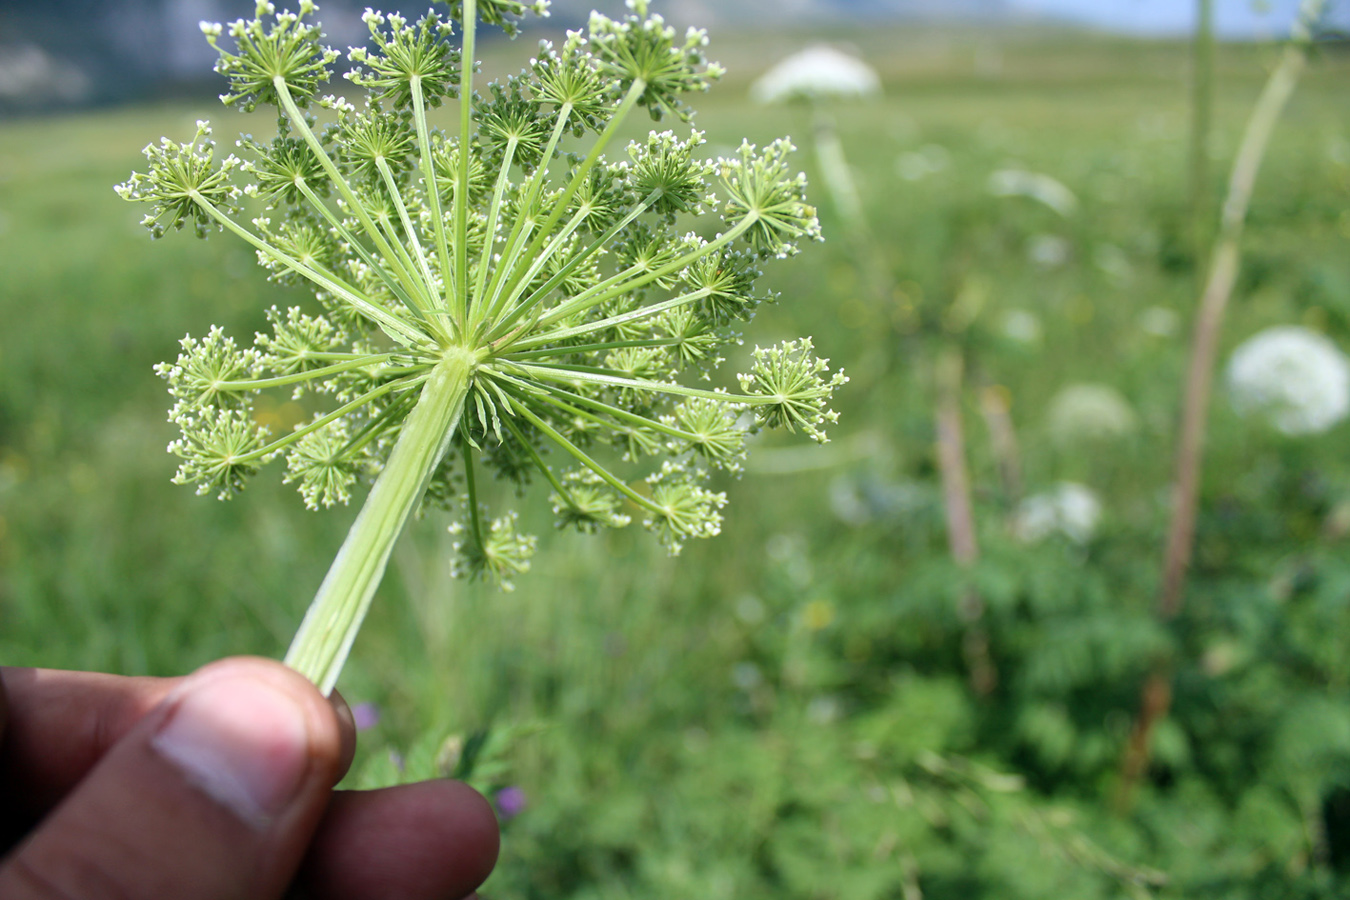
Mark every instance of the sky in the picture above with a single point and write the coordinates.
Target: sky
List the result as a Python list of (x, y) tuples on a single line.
[(1233, 18)]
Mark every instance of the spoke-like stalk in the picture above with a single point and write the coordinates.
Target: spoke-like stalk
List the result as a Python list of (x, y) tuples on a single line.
[(579, 177), (564, 374), (392, 326), (494, 214), (297, 434), (366, 256), (471, 487), (431, 188), (421, 257), (575, 262), (297, 120), (405, 261), (552, 352), (261, 384), (524, 225), (462, 189), (582, 457), (540, 464), (621, 415), (395, 412), (330, 625), (539, 261), (613, 321), (616, 287)]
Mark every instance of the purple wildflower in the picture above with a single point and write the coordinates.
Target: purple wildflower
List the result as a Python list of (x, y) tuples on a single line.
[(511, 802), (366, 716)]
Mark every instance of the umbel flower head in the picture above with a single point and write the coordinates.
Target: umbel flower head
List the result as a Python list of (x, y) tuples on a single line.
[(488, 300), (1069, 508), (1296, 379), (1088, 412), (817, 73)]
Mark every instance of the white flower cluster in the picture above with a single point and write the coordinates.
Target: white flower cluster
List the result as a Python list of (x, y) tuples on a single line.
[(1021, 326), (1090, 412), (928, 160), (1070, 509), (1159, 322), (815, 73), (1034, 186), (1296, 379)]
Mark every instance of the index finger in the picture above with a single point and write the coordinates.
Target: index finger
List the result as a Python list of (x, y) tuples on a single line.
[(57, 724)]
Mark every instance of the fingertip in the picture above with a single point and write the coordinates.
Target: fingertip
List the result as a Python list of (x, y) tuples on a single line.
[(322, 718), (346, 732), (4, 705), (426, 841)]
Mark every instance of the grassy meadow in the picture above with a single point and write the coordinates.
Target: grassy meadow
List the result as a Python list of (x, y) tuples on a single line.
[(787, 711)]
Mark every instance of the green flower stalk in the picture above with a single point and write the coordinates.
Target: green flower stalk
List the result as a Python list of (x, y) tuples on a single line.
[(488, 300)]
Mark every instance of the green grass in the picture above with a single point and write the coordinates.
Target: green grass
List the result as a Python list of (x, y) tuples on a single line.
[(780, 712)]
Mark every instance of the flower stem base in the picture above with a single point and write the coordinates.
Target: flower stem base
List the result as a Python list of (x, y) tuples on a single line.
[(325, 637)]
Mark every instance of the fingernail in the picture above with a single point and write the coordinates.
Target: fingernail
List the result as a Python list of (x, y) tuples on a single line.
[(242, 742)]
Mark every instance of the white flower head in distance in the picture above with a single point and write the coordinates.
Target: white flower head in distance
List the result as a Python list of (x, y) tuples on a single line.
[(1070, 509), (816, 73), (1035, 186), (1090, 412), (1159, 322), (916, 165), (1296, 379), (1049, 251), (1021, 326)]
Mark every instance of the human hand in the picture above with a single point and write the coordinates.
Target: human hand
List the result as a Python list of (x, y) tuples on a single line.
[(214, 786)]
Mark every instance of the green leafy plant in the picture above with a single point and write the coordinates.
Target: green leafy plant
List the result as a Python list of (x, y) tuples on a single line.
[(487, 297)]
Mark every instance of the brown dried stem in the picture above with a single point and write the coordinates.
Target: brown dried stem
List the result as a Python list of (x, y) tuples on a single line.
[(956, 502), (1156, 698)]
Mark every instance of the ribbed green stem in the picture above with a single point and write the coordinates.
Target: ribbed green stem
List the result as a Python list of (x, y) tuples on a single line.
[(326, 634)]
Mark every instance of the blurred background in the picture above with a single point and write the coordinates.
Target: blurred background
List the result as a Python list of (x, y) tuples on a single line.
[(912, 664), (61, 53)]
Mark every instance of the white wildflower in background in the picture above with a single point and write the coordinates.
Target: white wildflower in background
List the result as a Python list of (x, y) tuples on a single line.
[(1113, 261), (1296, 379), (1021, 326), (1070, 509), (1090, 412), (816, 73), (916, 165), (1160, 322), (1034, 186), (861, 500), (1338, 151), (1049, 251), (813, 76)]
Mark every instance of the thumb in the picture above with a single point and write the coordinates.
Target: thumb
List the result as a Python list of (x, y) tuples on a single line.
[(214, 794)]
